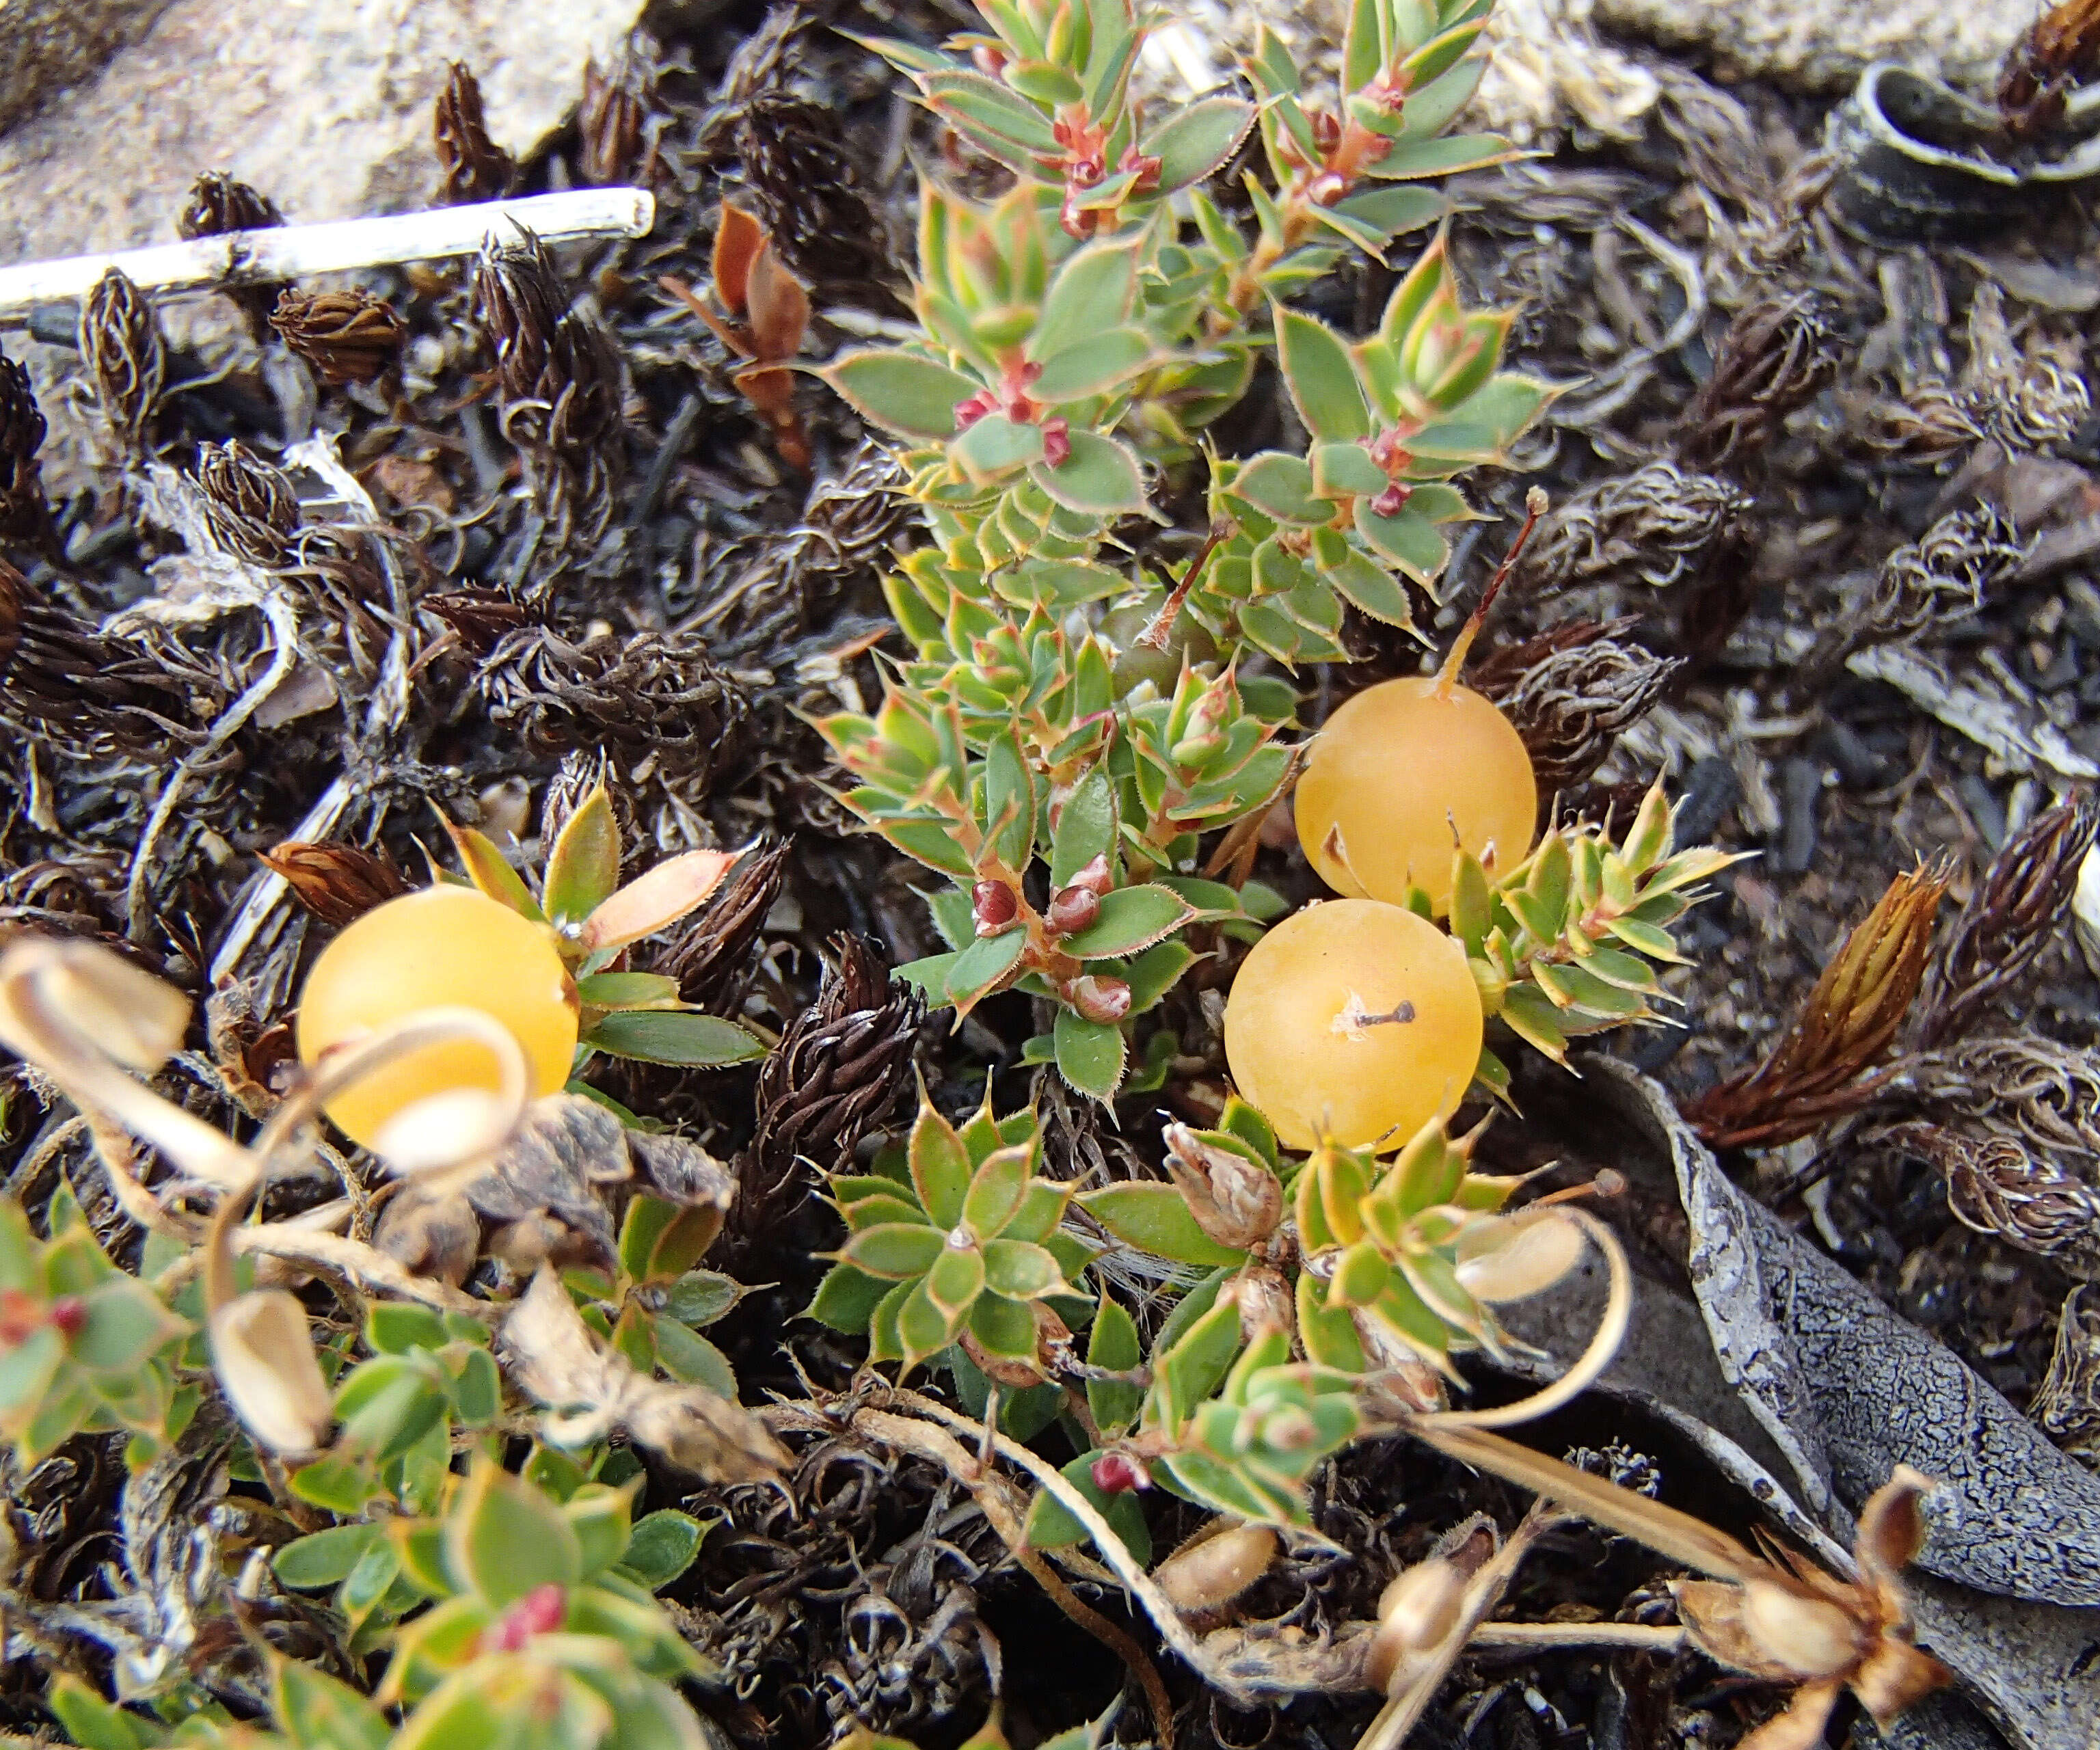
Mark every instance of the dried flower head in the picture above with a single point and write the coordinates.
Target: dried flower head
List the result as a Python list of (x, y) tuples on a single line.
[(126, 360), (711, 955), (1653, 526), (1819, 1069), (618, 142), (25, 513), (218, 204), (2048, 1092), (1775, 358), (1572, 693), (1998, 1185), (2016, 910), (1236, 1200), (249, 504), (840, 1068), (336, 883), (474, 167), (346, 337), (653, 700), (1802, 1626)]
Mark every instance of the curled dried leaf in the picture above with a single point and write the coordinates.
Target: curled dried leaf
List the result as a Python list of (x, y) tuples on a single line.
[(1998, 1185)]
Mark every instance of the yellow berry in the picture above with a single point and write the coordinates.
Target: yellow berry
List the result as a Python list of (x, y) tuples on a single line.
[(1395, 771), (442, 946), (1354, 1019)]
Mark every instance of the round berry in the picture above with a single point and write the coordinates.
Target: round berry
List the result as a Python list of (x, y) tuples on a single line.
[(1402, 775), (1356, 1020), (442, 946)]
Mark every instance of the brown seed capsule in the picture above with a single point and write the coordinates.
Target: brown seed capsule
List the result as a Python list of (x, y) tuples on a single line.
[(1234, 1201), (613, 120), (1200, 1576), (1417, 1614), (346, 337), (337, 882), (1073, 909), (1095, 877), (475, 167), (1098, 998)]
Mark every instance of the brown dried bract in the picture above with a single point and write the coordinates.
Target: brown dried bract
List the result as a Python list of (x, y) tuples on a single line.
[(217, 204), (336, 883), (2062, 51), (475, 168), (839, 1067), (248, 505), (1796, 1624), (346, 337), (126, 360), (1818, 1070), (25, 513), (1775, 357), (767, 313), (2012, 917), (1572, 693), (618, 140)]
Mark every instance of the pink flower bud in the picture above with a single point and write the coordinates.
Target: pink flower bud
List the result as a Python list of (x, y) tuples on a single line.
[(1326, 129), (1099, 997), (540, 1611), (1120, 1474), (993, 904), (68, 1313), (1392, 500), (1056, 441), (1095, 877), (972, 408), (1073, 909)]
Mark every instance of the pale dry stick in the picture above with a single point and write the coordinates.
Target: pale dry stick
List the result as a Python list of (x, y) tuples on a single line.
[(1621, 1637), (292, 252)]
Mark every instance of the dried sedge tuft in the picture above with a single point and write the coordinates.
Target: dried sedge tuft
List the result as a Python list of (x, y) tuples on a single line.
[(126, 360), (2067, 1406), (217, 204), (248, 505), (560, 379), (1998, 1186), (479, 619), (653, 701), (1572, 693), (25, 513), (65, 681), (1775, 358), (336, 881), (1819, 1069), (474, 167), (2048, 1092), (1653, 527), (840, 1067), (2010, 919), (615, 121), (346, 337), (712, 954)]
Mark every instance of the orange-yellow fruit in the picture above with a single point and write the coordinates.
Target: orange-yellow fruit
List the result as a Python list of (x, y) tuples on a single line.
[(1355, 1019), (442, 946), (1395, 771)]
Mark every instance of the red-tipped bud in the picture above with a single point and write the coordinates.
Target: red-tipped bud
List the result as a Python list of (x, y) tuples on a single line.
[(1095, 877), (972, 409), (1098, 998), (993, 904), (1392, 500), (1326, 129), (1120, 1474), (1073, 909), (68, 1313), (540, 1611), (1146, 167), (1056, 441)]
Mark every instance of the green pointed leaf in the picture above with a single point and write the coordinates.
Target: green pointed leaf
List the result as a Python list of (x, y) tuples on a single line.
[(583, 868), (1100, 476), (325, 1559), (1090, 1055), (1096, 366), (923, 1329), (941, 1169), (1155, 972), (954, 1283), (1448, 157), (490, 870), (627, 990), (846, 1299), (1394, 209), (1533, 1017), (1113, 1343), (1376, 592), (1341, 469), (504, 1538), (1000, 120), (317, 1713), (994, 446), (1086, 826), (1321, 378), (691, 1359), (996, 1190), (896, 1251), (657, 1036), (1131, 919), (1018, 1270), (1094, 292), (1155, 1219), (1002, 1326), (900, 391), (1411, 542), (1197, 138)]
